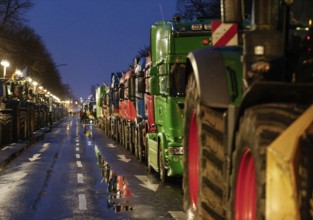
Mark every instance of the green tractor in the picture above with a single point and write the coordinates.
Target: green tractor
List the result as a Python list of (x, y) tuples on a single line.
[(248, 130), (170, 44)]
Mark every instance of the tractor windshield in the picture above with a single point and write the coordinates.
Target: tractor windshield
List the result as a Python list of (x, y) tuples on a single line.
[(301, 12), (178, 79), (301, 41)]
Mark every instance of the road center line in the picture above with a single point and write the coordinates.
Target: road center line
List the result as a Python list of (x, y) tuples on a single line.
[(82, 204), (79, 163), (80, 178), (77, 156), (77, 148)]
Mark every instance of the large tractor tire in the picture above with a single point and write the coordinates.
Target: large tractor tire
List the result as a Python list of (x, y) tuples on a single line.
[(136, 142), (118, 134), (131, 134), (305, 175), (145, 144), (142, 148), (203, 158), (162, 169), (259, 126)]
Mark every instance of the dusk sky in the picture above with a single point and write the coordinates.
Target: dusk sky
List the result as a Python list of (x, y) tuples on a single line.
[(95, 37)]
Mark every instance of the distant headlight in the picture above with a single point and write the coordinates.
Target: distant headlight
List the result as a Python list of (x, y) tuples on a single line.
[(175, 150), (196, 27), (207, 27)]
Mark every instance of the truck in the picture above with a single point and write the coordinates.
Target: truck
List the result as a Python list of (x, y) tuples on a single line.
[(128, 110), (98, 98), (105, 102), (144, 121), (248, 130), (113, 104), (170, 43)]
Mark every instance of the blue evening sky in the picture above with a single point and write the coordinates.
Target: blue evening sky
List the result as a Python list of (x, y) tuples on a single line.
[(95, 37)]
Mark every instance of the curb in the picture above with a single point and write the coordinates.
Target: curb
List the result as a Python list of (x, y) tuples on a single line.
[(11, 151)]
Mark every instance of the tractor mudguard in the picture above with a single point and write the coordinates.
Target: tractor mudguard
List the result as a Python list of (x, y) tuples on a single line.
[(210, 70), (276, 92), (269, 92)]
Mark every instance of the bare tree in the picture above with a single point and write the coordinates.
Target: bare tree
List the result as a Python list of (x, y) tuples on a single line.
[(199, 8), (12, 11), (24, 48), (143, 52)]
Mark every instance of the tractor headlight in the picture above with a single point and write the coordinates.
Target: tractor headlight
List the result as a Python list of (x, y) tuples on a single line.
[(208, 27), (175, 150), (259, 50), (196, 27), (261, 67)]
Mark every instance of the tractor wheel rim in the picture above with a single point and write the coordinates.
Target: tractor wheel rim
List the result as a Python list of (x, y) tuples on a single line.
[(246, 189), (193, 160)]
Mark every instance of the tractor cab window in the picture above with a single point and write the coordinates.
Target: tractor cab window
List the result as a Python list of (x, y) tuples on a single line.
[(121, 92), (130, 88), (178, 79), (300, 47)]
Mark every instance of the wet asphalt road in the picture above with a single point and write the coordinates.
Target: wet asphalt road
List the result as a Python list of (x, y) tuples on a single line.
[(71, 175)]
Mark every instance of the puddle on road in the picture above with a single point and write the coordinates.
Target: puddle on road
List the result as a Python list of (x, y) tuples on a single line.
[(88, 133), (119, 193)]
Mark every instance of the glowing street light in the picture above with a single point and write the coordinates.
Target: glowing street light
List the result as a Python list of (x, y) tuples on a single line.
[(34, 84), (18, 73), (5, 64)]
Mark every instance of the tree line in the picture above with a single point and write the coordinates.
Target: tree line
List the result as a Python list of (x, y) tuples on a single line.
[(24, 48)]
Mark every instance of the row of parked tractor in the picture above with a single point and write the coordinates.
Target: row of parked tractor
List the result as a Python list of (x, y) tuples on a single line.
[(143, 108), (227, 105), (24, 111)]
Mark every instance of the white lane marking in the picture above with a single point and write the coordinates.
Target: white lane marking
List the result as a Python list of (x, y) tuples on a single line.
[(77, 156), (77, 148), (44, 147), (178, 215), (35, 157), (146, 183), (16, 176), (80, 178), (82, 203), (123, 158), (111, 145), (77, 144), (9, 147), (79, 163)]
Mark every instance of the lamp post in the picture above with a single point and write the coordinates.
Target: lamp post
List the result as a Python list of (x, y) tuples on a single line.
[(5, 64)]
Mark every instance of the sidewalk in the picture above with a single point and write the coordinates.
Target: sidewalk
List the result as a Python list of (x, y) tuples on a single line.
[(11, 151)]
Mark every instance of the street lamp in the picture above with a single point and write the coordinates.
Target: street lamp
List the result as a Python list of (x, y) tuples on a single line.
[(5, 64), (34, 84), (18, 73)]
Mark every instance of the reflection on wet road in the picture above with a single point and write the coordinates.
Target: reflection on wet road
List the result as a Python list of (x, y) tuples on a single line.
[(119, 193), (77, 172)]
